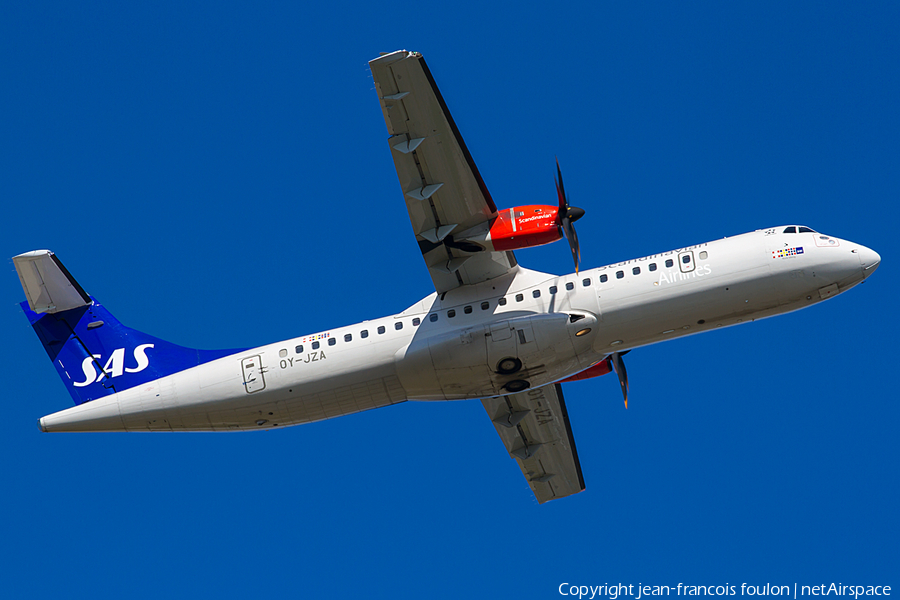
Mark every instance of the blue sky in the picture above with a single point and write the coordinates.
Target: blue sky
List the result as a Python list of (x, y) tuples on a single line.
[(218, 176)]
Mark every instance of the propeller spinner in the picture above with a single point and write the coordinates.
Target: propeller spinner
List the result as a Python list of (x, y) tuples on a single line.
[(567, 215)]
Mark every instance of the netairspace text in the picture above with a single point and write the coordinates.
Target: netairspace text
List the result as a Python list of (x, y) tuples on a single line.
[(639, 591)]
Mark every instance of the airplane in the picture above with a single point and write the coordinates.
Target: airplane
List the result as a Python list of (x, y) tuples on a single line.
[(491, 329)]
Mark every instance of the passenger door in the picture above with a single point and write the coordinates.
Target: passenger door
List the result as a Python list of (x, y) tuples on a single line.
[(686, 261)]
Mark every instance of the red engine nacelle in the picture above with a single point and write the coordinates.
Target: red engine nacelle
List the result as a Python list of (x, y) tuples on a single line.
[(601, 368), (524, 227)]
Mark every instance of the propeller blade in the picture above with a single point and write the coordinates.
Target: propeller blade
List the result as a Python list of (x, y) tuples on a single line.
[(561, 192), (619, 367), (567, 215), (572, 237)]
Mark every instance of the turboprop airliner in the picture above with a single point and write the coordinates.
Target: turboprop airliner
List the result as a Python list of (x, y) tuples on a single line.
[(491, 329)]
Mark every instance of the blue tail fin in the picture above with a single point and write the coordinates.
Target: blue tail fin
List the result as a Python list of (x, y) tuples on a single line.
[(94, 354)]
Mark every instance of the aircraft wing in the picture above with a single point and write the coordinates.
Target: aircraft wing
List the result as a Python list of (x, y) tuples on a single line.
[(445, 195), (534, 427)]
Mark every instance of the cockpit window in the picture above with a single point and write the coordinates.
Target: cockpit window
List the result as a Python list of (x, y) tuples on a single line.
[(805, 230), (790, 230)]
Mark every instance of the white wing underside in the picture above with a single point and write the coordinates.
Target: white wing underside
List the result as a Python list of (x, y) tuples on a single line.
[(444, 193), (534, 427)]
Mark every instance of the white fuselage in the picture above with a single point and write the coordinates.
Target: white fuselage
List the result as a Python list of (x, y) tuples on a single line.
[(449, 347)]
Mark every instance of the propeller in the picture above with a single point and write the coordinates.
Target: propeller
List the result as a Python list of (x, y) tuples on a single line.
[(619, 367), (567, 215)]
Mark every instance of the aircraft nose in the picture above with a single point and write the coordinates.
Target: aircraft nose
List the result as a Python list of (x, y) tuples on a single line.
[(868, 259)]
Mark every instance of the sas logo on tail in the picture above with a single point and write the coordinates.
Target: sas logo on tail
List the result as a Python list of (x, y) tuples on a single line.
[(114, 367)]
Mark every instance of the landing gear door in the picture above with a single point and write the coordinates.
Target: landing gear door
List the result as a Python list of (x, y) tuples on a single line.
[(502, 344), (686, 261), (253, 374), (500, 331)]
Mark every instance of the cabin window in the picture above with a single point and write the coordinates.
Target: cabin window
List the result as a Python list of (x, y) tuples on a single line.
[(670, 263), (299, 349), (585, 282), (451, 313), (652, 266), (805, 230), (519, 297), (398, 325), (364, 333), (348, 337), (468, 310), (332, 341), (380, 329), (790, 230), (282, 353), (686, 259), (416, 321), (570, 286), (315, 345), (636, 271), (433, 317), (536, 294), (703, 255), (604, 278), (502, 302), (552, 289), (485, 305), (620, 274)]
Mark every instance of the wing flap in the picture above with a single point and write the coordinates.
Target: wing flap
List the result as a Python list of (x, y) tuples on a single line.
[(534, 427)]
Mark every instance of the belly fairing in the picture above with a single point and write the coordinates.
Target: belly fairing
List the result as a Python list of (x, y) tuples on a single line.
[(481, 360)]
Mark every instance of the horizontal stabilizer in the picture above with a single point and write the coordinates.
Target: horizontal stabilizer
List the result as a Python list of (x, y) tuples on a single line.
[(48, 285)]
